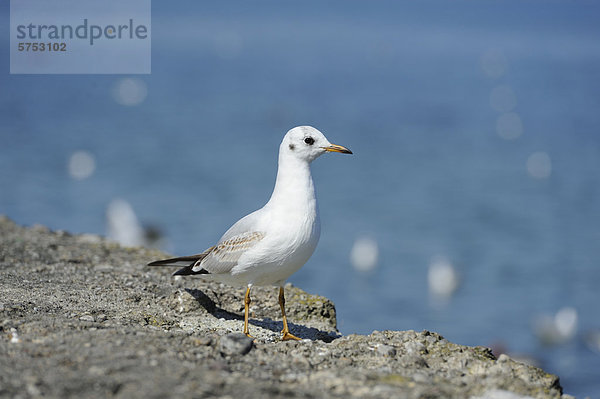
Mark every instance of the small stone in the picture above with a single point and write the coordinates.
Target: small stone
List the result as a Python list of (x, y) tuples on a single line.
[(32, 390), (202, 341), (87, 317), (414, 361), (386, 350), (235, 344), (101, 317), (415, 348), (503, 358), (14, 336), (430, 339)]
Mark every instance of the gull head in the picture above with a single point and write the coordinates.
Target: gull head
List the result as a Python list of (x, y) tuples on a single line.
[(307, 143)]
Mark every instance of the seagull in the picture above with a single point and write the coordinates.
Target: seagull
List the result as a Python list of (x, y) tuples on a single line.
[(269, 245)]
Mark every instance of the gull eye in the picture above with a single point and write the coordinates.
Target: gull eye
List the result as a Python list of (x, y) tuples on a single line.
[(309, 140)]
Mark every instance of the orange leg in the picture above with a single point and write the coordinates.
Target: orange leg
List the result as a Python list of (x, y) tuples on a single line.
[(286, 331), (246, 311)]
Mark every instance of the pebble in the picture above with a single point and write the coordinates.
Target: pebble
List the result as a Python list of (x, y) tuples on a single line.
[(14, 336), (386, 350), (503, 358), (101, 317), (414, 348), (235, 344)]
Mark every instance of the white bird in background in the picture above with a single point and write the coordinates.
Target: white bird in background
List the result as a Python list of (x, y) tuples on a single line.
[(123, 225), (558, 328), (442, 278), (269, 245), (364, 254)]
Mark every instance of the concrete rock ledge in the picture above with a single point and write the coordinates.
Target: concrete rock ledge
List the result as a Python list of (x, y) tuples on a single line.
[(83, 317)]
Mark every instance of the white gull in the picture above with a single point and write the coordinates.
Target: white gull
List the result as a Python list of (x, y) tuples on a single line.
[(267, 246)]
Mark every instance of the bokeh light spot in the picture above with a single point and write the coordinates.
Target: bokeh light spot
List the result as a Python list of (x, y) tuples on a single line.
[(81, 165), (442, 278), (539, 165), (364, 254), (509, 126), (130, 91)]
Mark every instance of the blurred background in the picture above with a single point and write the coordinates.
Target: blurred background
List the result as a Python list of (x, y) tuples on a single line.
[(471, 205)]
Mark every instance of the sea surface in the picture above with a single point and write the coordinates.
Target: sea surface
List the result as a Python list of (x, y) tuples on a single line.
[(475, 128)]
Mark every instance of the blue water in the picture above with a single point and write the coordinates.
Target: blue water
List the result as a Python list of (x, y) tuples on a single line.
[(403, 86)]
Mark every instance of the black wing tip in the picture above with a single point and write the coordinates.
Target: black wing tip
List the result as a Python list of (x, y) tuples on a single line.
[(156, 263), (185, 271), (166, 262), (172, 261), (188, 271)]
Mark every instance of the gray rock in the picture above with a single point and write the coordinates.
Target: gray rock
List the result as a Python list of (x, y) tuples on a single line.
[(235, 344), (84, 317), (500, 394)]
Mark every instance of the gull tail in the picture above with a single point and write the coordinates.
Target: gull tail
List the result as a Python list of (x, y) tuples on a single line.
[(187, 261)]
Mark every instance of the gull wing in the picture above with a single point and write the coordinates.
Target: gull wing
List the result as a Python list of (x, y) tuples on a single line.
[(225, 255), (221, 258)]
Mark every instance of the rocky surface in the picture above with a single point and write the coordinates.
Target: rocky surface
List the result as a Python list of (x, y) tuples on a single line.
[(82, 316)]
